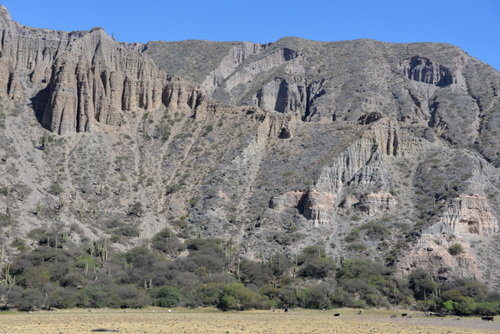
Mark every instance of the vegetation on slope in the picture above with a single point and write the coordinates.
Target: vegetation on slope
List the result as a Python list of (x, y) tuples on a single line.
[(60, 274)]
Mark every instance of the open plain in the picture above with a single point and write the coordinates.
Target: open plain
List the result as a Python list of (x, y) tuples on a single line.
[(157, 320)]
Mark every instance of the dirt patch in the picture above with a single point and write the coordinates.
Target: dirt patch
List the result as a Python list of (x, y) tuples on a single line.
[(211, 321)]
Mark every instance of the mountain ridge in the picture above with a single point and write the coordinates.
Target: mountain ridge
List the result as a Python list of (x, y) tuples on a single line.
[(369, 149)]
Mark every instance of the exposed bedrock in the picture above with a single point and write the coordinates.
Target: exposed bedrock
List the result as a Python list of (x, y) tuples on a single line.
[(274, 146), (83, 78), (432, 85), (468, 214)]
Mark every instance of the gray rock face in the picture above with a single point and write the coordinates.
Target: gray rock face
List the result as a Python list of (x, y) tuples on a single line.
[(429, 85), (83, 78), (423, 70), (274, 146)]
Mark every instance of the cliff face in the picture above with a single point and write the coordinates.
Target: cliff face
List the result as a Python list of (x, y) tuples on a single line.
[(371, 149), (435, 86), (84, 78)]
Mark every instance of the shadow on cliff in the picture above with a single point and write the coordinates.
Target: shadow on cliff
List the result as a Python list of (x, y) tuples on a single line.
[(39, 102)]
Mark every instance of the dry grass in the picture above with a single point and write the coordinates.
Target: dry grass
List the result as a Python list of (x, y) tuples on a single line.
[(156, 320)]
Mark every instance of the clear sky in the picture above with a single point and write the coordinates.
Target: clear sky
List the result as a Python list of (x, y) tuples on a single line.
[(473, 25)]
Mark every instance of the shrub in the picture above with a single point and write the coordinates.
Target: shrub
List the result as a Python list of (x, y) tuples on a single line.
[(166, 296), (127, 231), (135, 209), (311, 252), (237, 297), (375, 230), (55, 189), (422, 284), (353, 235), (357, 247), (173, 188), (317, 268), (455, 249), (167, 242)]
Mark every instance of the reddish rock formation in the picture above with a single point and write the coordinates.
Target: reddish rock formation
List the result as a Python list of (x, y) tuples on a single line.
[(373, 203), (469, 214)]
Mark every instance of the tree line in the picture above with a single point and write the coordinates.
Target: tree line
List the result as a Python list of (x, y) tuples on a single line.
[(58, 273)]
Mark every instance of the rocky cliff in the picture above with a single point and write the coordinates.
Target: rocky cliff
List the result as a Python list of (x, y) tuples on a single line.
[(84, 78), (370, 149)]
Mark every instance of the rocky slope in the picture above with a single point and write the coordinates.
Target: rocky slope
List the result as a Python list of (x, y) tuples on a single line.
[(379, 150)]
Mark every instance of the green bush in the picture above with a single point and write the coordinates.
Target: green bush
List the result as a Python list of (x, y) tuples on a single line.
[(422, 284), (228, 302), (357, 247), (166, 296), (167, 242), (455, 249), (237, 297), (465, 307), (55, 189), (317, 268)]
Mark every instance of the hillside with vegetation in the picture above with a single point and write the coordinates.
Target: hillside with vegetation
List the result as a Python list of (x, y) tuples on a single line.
[(242, 175)]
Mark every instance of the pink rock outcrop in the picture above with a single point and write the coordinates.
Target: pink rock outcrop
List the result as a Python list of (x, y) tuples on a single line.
[(373, 203), (469, 214), (433, 256)]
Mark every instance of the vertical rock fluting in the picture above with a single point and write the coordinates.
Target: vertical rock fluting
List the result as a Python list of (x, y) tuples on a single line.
[(26, 55), (469, 214), (95, 79), (361, 165), (319, 207), (78, 79), (374, 203), (421, 69)]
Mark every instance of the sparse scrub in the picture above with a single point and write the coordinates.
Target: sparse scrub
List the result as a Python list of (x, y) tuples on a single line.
[(456, 249)]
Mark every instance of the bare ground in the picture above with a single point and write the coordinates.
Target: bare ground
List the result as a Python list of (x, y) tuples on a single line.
[(211, 321)]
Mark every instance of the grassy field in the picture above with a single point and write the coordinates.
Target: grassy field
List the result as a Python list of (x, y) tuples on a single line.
[(156, 320)]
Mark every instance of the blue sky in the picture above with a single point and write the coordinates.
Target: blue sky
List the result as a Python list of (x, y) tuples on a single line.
[(473, 25)]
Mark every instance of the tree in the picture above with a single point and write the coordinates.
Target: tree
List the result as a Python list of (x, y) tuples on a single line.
[(361, 268), (167, 242), (316, 296), (207, 294), (32, 300), (255, 272), (131, 297), (166, 296), (317, 267), (14, 296), (314, 263), (236, 297), (422, 284)]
